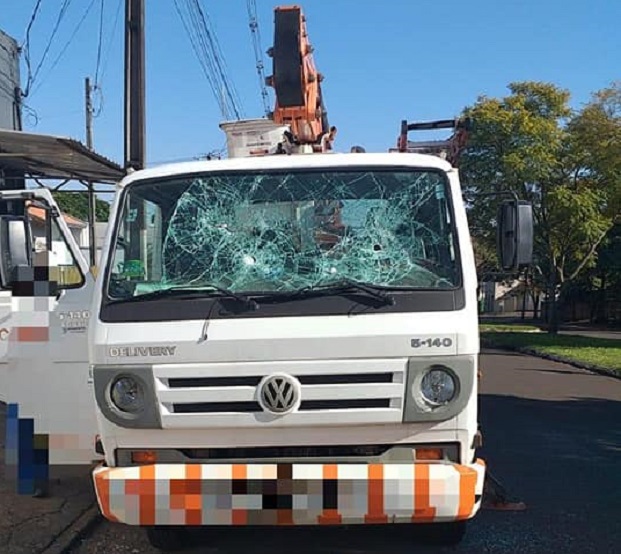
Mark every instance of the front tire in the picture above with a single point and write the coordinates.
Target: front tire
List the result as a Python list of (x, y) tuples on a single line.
[(165, 538)]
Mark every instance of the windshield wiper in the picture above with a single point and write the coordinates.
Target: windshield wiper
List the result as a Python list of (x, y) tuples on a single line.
[(339, 286), (345, 283), (185, 291)]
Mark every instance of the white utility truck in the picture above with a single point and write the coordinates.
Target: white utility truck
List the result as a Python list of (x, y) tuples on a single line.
[(275, 340), (291, 340), (46, 289)]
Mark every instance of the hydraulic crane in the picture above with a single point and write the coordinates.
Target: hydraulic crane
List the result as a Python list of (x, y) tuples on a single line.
[(295, 80)]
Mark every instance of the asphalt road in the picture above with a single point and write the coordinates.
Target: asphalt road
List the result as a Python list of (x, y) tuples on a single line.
[(551, 436)]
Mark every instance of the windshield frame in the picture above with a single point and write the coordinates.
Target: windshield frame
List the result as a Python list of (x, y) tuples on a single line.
[(448, 298)]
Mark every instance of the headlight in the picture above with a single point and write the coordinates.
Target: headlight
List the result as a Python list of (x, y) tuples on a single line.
[(127, 395), (438, 387)]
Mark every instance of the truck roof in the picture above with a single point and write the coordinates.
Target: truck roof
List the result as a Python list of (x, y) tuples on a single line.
[(295, 161)]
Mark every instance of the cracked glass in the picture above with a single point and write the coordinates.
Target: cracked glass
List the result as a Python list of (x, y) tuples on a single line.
[(286, 231)]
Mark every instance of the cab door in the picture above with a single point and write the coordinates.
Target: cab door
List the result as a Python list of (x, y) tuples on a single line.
[(50, 407)]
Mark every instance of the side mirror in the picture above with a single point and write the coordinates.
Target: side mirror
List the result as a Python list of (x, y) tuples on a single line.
[(15, 247), (515, 235)]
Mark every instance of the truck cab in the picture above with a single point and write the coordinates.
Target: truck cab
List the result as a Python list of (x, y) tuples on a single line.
[(290, 340), (46, 289)]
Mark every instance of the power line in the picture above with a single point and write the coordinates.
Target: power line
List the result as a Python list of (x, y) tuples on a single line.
[(33, 16), (210, 57), (67, 44), (97, 64), (32, 77), (203, 63), (26, 43), (219, 59), (256, 42), (112, 35)]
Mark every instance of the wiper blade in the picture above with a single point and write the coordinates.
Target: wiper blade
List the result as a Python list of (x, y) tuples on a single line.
[(370, 290), (186, 291), (330, 288)]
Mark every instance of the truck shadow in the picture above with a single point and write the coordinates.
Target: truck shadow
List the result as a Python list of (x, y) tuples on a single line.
[(559, 457)]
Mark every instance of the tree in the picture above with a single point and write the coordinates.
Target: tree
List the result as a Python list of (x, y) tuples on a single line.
[(596, 144), (607, 273), (531, 143), (76, 205)]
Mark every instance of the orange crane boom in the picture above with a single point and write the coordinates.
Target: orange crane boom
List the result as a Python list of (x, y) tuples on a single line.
[(295, 79)]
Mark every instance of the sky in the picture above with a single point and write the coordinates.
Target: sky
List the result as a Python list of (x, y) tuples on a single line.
[(382, 62)]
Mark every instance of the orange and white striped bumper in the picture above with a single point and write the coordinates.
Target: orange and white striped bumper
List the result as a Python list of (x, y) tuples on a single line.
[(289, 494)]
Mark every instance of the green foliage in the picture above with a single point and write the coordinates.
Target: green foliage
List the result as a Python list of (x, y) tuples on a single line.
[(568, 165), (609, 258), (575, 223), (76, 205), (507, 328), (596, 144)]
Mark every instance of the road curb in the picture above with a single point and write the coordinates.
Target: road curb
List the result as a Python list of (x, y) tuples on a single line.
[(81, 527), (553, 358)]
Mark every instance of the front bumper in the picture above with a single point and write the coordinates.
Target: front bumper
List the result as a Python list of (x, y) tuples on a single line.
[(289, 494)]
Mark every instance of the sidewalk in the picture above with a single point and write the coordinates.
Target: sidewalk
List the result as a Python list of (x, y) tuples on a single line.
[(593, 332), (579, 329), (44, 525)]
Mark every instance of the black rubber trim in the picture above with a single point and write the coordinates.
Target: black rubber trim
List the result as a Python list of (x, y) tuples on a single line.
[(167, 309), (254, 380), (305, 406), (286, 452)]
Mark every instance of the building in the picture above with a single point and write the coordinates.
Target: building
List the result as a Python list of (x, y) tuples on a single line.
[(9, 83), (78, 229)]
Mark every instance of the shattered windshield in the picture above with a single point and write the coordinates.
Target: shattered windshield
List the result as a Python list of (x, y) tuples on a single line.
[(283, 232)]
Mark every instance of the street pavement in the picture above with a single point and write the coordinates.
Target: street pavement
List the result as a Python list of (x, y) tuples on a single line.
[(551, 436)]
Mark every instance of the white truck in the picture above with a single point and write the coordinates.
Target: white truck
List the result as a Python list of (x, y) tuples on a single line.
[(47, 288), (291, 340), (277, 340)]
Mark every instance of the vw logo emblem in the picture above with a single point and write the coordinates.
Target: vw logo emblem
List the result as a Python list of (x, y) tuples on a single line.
[(279, 393)]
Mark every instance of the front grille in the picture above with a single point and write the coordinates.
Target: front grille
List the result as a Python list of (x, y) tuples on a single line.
[(331, 393), (305, 406), (253, 381)]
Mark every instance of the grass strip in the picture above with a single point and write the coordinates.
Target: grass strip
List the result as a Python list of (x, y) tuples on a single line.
[(594, 352)]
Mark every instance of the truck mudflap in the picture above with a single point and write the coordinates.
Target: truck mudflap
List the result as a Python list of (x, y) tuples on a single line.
[(289, 494)]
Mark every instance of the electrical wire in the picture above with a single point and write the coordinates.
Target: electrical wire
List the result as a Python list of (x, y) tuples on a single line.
[(255, 33), (203, 63), (61, 15), (66, 46), (112, 35), (26, 44), (209, 54), (219, 59), (98, 63)]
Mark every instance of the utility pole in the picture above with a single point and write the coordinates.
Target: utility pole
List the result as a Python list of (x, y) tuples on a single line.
[(89, 113), (92, 218), (134, 85)]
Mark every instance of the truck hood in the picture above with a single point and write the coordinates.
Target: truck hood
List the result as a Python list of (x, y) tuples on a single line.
[(287, 338)]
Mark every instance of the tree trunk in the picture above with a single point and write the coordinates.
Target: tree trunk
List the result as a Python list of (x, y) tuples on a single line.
[(553, 309), (601, 316), (536, 300), (552, 313)]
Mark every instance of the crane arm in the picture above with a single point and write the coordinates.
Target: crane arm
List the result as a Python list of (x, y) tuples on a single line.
[(296, 81)]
